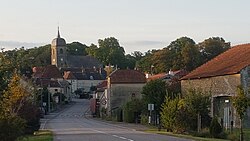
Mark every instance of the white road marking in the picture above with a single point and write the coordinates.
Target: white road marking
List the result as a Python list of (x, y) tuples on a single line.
[(123, 138)]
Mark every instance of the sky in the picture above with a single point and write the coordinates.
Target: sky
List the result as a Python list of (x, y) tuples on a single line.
[(139, 25)]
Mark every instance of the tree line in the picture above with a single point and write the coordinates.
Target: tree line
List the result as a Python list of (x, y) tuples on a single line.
[(183, 53)]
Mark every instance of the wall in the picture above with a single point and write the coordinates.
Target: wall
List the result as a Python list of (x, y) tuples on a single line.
[(222, 88), (217, 86), (86, 84), (122, 93)]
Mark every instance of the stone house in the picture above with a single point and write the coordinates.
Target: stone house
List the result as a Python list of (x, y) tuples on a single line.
[(121, 86), (50, 77), (84, 78), (220, 78)]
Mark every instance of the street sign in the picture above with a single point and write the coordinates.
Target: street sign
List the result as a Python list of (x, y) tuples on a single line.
[(151, 107)]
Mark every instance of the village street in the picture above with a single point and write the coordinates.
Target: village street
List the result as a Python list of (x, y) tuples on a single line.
[(72, 124)]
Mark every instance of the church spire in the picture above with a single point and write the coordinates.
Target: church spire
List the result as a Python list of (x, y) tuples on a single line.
[(58, 33)]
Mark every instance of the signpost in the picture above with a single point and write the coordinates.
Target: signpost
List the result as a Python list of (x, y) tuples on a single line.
[(151, 108)]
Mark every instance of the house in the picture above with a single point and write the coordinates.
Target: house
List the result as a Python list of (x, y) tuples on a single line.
[(167, 77), (51, 78), (121, 87), (220, 78), (84, 78)]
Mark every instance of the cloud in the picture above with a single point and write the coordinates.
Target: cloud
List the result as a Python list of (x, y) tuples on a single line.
[(9, 45)]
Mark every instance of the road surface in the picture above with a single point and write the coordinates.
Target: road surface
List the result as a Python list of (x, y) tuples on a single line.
[(71, 124)]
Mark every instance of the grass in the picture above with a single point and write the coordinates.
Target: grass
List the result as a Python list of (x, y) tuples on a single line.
[(233, 136), (236, 134), (184, 136), (42, 135)]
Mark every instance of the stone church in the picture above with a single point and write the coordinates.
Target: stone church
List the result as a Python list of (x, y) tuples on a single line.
[(82, 72), (62, 60)]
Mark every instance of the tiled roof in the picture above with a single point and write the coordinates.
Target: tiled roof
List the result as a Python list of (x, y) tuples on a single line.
[(127, 76), (158, 76), (82, 61), (68, 75), (103, 84), (230, 62), (47, 72), (47, 83)]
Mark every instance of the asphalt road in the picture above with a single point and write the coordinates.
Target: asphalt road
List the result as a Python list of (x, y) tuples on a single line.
[(71, 124)]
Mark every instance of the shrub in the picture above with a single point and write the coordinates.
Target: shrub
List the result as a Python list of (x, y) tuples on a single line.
[(215, 128), (132, 110), (32, 120), (11, 128)]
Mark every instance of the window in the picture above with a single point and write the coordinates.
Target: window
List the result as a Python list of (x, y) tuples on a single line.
[(61, 51)]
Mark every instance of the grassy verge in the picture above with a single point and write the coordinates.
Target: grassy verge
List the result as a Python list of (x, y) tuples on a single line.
[(184, 136), (42, 135), (236, 134)]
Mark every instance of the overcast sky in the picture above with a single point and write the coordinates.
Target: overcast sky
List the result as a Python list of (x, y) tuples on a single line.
[(139, 25)]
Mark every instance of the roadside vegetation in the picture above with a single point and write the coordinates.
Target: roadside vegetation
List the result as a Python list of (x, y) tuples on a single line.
[(42, 135)]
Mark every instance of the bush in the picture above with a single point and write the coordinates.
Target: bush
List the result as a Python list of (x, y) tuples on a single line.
[(132, 110), (32, 120), (215, 128), (11, 128)]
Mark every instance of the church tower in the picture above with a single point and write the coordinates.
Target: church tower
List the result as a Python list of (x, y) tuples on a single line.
[(58, 52)]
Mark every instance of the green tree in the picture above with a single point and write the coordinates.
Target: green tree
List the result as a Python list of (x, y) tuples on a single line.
[(197, 103), (91, 50), (154, 92), (76, 48), (130, 61), (212, 47), (176, 48), (169, 113), (109, 52), (191, 57), (132, 109), (215, 128), (241, 102)]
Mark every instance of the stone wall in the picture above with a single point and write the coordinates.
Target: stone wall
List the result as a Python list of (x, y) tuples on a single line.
[(217, 86), (121, 94), (221, 88)]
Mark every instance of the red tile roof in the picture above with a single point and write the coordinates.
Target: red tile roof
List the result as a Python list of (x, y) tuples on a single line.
[(103, 84), (157, 76), (48, 72), (68, 75), (127, 76), (230, 62)]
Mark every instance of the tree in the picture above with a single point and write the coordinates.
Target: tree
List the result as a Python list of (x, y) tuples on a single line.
[(132, 109), (154, 93), (212, 47), (169, 113), (176, 48), (198, 103), (241, 102), (91, 50), (190, 56), (130, 61), (109, 52), (215, 128), (76, 48), (14, 98)]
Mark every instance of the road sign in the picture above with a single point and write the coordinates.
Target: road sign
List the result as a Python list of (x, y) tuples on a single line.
[(151, 107)]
